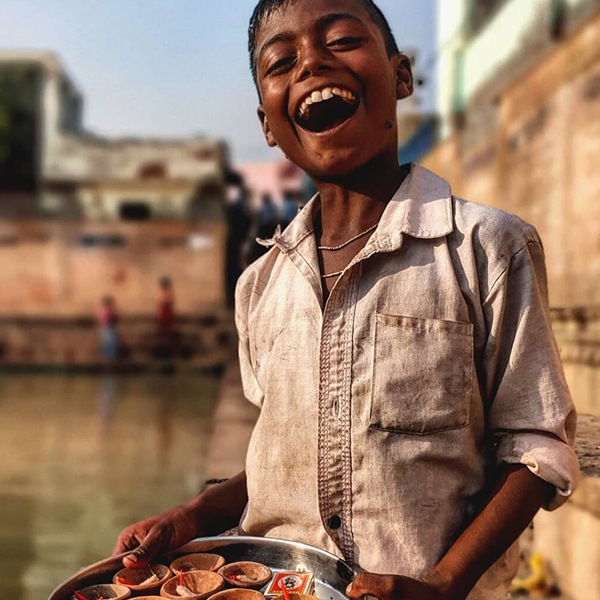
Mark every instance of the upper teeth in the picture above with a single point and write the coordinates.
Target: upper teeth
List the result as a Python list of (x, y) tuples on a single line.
[(325, 94)]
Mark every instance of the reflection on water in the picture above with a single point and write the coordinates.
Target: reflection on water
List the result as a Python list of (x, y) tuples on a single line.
[(83, 456)]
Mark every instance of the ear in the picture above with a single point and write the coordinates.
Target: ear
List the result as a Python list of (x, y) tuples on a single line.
[(262, 117), (404, 77)]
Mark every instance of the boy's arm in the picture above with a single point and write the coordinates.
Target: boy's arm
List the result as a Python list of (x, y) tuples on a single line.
[(211, 512), (515, 498)]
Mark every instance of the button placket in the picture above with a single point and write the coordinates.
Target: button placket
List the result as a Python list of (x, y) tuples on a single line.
[(335, 480)]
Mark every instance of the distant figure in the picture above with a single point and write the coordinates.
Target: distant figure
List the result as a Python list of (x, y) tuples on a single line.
[(268, 216), (289, 209), (107, 318), (268, 219), (238, 226), (166, 304)]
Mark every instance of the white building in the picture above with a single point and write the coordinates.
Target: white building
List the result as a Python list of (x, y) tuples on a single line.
[(484, 45), (81, 174)]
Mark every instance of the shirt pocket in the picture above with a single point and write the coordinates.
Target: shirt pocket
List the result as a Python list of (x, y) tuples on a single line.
[(422, 374)]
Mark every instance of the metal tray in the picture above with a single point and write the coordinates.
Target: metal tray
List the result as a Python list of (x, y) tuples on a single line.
[(332, 574)]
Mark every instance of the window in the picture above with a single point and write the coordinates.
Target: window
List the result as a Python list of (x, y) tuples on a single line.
[(153, 170), (481, 12), (134, 210), (20, 126), (94, 240)]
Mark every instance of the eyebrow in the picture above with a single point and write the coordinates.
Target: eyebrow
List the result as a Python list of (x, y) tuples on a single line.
[(325, 21)]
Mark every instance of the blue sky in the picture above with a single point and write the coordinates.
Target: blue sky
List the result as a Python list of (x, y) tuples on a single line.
[(171, 67)]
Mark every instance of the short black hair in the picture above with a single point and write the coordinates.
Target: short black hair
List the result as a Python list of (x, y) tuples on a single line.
[(265, 8)]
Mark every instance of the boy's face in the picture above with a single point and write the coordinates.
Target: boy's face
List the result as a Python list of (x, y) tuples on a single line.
[(328, 87)]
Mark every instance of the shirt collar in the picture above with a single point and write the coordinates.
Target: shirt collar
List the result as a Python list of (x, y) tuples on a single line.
[(421, 208)]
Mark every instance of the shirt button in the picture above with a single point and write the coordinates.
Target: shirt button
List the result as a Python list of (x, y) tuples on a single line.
[(334, 522), (335, 407)]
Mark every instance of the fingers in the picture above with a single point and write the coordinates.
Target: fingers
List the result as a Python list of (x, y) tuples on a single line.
[(127, 540), (396, 587), (369, 584), (147, 550), (138, 559)]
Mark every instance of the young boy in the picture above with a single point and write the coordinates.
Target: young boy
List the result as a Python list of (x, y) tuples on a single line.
[(414, 414)]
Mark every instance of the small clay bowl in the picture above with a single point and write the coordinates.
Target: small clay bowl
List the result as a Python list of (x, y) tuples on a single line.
[(246, 574), (105, 590), (197, 562), (238, 594), (203, 583), (134, 578)]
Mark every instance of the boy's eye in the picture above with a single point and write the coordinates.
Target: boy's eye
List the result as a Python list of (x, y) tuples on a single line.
[(344, 41), (280, 65)]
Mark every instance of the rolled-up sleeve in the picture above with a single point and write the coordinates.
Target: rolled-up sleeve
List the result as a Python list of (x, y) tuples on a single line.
[(531, 415)]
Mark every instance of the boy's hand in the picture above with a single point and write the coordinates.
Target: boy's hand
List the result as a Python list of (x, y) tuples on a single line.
[(156, 535), (397, 587), (211, 512)]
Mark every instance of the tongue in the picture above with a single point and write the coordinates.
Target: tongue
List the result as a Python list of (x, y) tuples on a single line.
[(325, 115)]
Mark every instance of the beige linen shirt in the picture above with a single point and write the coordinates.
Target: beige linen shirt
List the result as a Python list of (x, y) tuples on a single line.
[(384, 411)]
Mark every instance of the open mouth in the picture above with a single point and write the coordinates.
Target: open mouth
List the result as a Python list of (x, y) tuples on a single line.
[(325, 109)]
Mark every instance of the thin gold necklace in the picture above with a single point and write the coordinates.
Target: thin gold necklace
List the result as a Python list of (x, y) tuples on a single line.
[(356, 237)]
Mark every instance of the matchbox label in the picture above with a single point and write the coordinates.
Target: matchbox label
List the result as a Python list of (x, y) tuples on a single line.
[(294, 583)]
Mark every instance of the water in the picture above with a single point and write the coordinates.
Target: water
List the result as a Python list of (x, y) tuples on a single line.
[(83, 456)]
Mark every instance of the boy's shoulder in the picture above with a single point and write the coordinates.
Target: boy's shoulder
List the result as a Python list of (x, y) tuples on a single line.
[(250, 280), (494, 229), (434, 207)]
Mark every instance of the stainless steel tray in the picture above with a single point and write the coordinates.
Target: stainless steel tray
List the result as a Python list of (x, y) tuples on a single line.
[(332, 574)]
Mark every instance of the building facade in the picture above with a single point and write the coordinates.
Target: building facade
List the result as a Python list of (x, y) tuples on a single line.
[(83, 217)]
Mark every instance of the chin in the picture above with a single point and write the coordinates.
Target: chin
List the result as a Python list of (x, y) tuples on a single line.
[(338, 170), (333, 167)]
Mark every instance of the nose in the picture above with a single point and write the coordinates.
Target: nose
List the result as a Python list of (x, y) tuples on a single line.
[(314, 59)]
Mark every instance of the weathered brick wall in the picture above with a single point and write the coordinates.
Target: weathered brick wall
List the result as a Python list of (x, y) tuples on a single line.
[(541, 160), (58, 268), (578, 335), (205, 340)]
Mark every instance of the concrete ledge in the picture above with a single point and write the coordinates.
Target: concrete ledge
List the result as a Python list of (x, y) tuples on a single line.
[(73, 344), (587, 444), (587, 495)]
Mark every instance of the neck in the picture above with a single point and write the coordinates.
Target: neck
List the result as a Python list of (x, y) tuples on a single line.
[(355, 203)]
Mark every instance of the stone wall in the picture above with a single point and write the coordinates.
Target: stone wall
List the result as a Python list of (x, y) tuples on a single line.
[(62, 268), (578, 335), (540, 160), (202, 341), (54, 274)]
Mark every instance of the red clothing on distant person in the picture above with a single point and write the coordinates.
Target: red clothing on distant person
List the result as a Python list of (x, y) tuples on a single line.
[(166, 308), (107, 316)]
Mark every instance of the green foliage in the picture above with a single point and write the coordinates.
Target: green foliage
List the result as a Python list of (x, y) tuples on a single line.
[(20, 98), (4, 133)]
